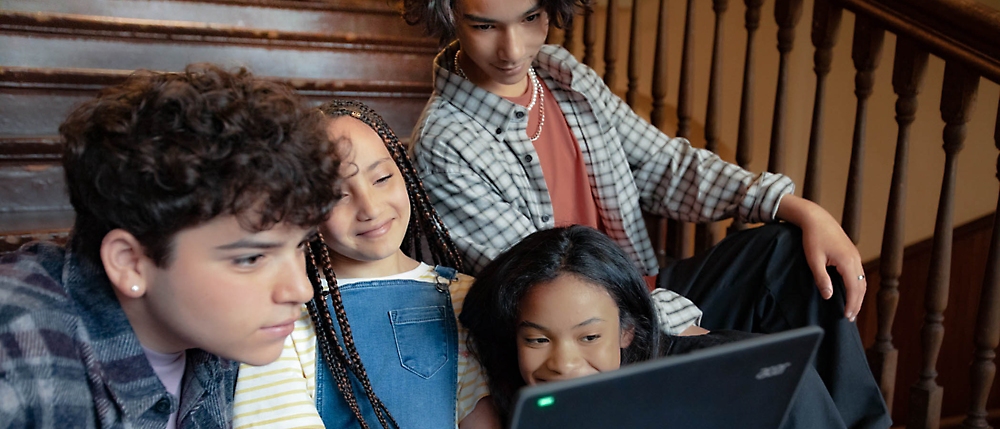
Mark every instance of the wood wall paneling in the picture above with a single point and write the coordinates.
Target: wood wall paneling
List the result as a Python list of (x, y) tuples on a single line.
[(968, 259)]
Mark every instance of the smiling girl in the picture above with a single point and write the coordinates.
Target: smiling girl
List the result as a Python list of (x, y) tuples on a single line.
[(400, 361), (566, 303)]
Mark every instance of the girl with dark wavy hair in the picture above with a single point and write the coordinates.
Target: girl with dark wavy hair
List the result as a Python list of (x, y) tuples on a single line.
[(566, 303), (379, 343)]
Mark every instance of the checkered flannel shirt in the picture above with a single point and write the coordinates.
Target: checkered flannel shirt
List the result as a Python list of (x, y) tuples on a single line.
[(481, 170), (69, 357)]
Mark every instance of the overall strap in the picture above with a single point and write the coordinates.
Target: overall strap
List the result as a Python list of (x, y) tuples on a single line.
[(445, 276)]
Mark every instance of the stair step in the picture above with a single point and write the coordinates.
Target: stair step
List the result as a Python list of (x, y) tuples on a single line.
[(57, 54), (44, 40), (33, 187), (341, 17), (17, 228), (33, 102)]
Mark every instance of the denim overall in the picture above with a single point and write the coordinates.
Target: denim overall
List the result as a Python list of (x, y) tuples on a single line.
[(406, 334)]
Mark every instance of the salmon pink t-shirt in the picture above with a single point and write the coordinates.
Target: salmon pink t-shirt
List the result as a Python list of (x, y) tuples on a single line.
[(562, 164)]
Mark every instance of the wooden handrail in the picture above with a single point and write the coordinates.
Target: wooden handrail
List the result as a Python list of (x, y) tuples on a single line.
[(962, 30)]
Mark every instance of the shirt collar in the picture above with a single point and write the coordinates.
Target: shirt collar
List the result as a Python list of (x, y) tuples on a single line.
[(121, 362), (492, 111), (557, 63)]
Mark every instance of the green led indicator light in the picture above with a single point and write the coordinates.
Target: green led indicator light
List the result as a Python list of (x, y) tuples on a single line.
[(546, 401)]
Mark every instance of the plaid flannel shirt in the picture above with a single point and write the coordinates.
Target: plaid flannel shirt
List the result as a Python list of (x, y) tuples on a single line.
[(69, 357), (481, 170)]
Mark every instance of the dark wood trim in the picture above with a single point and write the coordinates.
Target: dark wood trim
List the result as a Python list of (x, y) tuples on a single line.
[(969, 228), (70, 25), (992, 415), (365, 6), (961, 30), (30, 149), (77, 79)]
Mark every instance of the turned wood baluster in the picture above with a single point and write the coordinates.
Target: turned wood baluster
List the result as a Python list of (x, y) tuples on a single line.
[(658, 115), (611, 44), (744, 136), (957, 97), (589, 35), (705, 234), (685, 90), (680, 232), (826, 25), (866, 52), (787, 14), (907, 75), (634, 63), (568, 41), (655, 224), (983, 369)]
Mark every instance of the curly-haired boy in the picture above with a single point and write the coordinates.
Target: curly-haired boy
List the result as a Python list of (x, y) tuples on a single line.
[(195, 193)]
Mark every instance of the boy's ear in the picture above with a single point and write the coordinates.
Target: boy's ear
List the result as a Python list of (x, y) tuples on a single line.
[(125, 263), (627, 335)]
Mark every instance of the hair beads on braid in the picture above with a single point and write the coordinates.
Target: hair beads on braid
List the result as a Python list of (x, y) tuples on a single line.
[(425, 224), (353, 359), (326, 336)]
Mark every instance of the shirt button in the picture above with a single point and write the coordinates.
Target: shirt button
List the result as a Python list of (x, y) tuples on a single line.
[(545, 218), (528, 158), (162, 406), (519, 114), (499, 130)]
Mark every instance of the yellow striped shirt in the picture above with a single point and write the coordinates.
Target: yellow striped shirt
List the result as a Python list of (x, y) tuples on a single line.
[(283, 394)]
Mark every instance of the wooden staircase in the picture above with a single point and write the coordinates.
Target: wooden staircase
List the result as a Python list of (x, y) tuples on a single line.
[(55, 54)]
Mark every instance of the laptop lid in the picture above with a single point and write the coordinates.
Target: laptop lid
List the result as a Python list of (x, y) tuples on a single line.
[(746, 384)]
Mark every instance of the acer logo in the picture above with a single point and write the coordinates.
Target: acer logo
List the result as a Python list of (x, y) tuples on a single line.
[(771, 371)]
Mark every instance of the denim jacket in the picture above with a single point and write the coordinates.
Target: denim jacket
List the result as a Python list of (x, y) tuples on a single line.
[(69, 357)]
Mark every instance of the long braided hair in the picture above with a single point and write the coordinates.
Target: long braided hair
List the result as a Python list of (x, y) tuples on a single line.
[(425, 231)]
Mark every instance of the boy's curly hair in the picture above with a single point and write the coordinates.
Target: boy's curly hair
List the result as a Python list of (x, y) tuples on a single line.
[(438, 16), (162, 152)]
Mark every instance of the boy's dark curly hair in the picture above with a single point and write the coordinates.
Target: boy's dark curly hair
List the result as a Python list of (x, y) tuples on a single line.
[(438, 16), (162, 152)]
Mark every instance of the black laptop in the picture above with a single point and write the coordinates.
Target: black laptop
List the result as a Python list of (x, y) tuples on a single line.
[(747, 384)]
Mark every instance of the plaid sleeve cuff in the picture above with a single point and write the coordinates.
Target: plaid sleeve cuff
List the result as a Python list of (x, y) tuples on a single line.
[(764, 196), (676, 313)]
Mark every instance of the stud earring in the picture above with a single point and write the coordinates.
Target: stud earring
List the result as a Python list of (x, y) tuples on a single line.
[(135, 288)]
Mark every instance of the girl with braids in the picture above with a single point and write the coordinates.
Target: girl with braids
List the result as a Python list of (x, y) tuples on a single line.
[(379, 345), (566, 302)]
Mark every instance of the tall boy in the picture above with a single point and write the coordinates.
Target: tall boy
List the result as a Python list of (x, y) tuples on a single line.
[(518, 136), (194, 195)]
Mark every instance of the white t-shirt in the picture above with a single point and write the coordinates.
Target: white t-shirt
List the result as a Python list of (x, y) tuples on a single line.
[(169, 367)]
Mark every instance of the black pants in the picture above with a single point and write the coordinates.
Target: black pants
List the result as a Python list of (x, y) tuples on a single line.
[(758, 281)]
